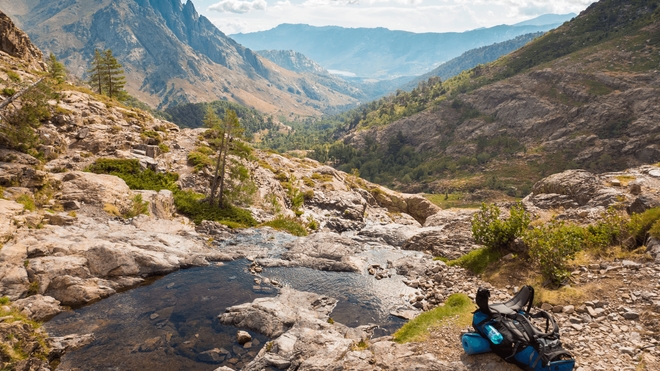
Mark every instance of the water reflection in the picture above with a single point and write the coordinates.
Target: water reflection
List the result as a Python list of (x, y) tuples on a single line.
[(171, 324)]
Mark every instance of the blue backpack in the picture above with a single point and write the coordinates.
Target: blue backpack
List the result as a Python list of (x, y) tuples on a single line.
[(507, 330)]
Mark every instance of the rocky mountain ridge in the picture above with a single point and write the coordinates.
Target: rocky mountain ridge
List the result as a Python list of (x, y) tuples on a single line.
[(170, 53), (579, 96)]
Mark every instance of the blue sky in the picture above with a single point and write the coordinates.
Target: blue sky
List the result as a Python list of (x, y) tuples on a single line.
[(233, 16)]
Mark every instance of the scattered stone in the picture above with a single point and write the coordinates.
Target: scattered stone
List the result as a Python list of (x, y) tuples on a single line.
[(631, 315), (243, 337)]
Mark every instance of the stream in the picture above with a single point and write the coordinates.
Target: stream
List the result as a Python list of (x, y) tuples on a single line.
[(170, 323)]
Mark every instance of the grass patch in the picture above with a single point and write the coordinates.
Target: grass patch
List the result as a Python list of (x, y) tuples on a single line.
[(291, 225), (476, 261), (562, 296), (27, 201), (625, 179), (111, 209), (458, 306), (452, 200)]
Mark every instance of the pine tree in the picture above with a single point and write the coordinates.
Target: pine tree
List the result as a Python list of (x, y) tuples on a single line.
[(96, 73), (221, 136), (57, 70), (114, 73), (107, 75)]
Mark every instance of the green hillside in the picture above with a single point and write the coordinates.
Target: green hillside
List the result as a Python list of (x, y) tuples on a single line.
[(566, 86)]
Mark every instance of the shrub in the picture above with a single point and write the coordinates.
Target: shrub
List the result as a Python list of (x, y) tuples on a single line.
[(199, 160), (551, 247), (291, 225), (192, 205), (151, 134), (134, 176), (476, 261), (138, 207), (641, 224), (164, 147), (495, 233), (418, 328), (312, 224), (8, 92), (609, 230)]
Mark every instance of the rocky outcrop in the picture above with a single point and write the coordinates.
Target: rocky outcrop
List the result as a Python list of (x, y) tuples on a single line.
[(581, 195), (184, 59), (38, 307), (94, 189), (16, 43), (307, 340), (325, 251), (415, 205)]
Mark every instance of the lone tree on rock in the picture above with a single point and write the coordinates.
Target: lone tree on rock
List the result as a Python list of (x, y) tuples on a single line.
[(107, 75), (224, 136)]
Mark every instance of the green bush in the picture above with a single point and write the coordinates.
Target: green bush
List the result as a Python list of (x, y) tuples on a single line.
[(8, 92), (476, 261), (497, 234), (134, 176), (138, 207), (192, 205), (188, 203), (164, 148), (199, 160), (552, 246), (641, 224), (610, 229), (291, 225)]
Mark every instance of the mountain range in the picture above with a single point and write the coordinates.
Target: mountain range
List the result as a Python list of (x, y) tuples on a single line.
[(379, 53), (170, 53), (585, 95)]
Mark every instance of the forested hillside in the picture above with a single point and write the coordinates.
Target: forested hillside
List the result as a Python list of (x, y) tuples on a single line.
[(584, 95)]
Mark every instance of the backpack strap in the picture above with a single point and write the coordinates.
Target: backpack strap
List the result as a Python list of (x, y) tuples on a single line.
[(548, 321), (481, 299)]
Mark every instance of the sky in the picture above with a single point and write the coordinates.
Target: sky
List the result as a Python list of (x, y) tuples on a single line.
[(234, 16)]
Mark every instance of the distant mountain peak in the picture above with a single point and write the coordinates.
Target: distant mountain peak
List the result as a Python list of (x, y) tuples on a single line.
[(171, 54)]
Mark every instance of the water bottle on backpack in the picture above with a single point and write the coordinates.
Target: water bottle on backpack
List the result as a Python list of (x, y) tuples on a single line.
[(493, 335)]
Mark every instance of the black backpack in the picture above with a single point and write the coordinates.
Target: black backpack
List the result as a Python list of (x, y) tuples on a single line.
[(522, 342)]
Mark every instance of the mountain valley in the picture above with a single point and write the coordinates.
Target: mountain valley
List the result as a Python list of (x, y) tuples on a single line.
[(119, 249)]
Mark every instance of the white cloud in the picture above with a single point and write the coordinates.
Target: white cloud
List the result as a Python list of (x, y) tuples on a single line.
[(408, 15), (238, 6)]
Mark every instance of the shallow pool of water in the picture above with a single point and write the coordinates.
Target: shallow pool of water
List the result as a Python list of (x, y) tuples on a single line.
[(171, 323)]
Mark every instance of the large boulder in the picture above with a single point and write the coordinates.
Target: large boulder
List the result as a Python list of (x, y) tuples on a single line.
[(95, 189), (579, 185), (38, 307), (390, 234), (415, 205)]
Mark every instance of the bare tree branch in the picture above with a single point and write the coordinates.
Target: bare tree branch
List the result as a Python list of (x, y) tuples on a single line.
[(9, 100)]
